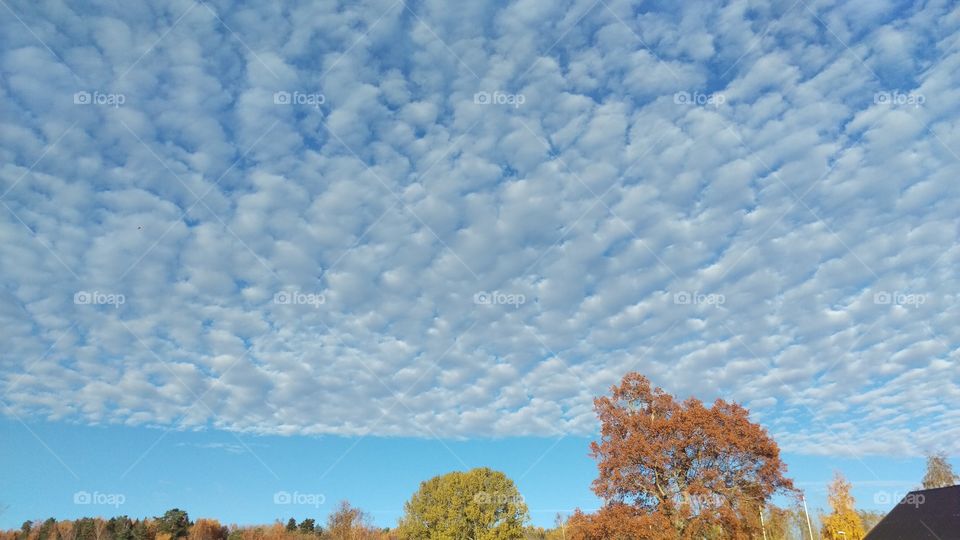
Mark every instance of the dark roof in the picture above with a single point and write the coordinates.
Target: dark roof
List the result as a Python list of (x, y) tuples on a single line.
[(926, 514)]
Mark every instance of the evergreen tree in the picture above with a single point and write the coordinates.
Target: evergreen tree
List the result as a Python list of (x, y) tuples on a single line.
[(307, 526), (174, 522), (140, 531), (25, 530), (120, 528), (48, 530)]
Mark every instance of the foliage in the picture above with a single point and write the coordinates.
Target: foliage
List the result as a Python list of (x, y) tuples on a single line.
[(679, 470), (778, 522), (307, 526), (349, 523), (481, 504), (66, 530), (120, 528), (208, 529), (619, 521), (539, 533), (939, 473), (843, 523), (869, 518), (174, 522)]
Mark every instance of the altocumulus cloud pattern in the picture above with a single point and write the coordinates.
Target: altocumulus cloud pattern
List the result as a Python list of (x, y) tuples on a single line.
[(394, 218)]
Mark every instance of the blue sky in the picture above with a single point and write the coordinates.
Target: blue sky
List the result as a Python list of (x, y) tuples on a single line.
[(422, 228), (142, 472)]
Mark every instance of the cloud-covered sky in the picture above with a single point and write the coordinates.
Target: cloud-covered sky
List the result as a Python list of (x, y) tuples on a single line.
[(404, 218)]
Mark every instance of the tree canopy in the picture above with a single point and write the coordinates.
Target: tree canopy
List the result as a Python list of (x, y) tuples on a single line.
[(174, 522), (939, 472), (843, 522), (671, 469), (348, 522), (480, 504)]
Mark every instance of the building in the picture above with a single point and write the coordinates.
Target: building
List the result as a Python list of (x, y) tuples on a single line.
[(926, 514)]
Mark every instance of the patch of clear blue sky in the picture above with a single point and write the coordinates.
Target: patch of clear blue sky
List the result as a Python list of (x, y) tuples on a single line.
[(210, 474)]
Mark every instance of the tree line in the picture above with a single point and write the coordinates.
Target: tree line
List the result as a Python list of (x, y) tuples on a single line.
[(667, 470)]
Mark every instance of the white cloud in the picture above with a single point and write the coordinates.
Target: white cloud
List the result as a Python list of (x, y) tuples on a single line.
[(800, 219)]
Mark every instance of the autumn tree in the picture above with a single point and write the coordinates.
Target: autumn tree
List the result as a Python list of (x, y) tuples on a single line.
[(274, 532), (776, 522), (843, 522), (481, 504), (678, 470), (540, 533), (870, 518), (99, 529), (208, 529), (349, 523), (66, 530), (939, 472)]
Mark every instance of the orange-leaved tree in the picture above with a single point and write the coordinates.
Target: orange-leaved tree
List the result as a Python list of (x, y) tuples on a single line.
[(677, 470), (207, 529)]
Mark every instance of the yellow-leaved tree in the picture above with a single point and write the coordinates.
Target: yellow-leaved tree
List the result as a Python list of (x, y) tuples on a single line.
[(843, 523)]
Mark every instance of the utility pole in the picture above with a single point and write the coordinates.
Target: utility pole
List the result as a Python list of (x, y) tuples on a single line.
[(809, 526)]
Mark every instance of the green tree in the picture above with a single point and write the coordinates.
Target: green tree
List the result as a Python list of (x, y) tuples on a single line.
[(48, 530), (174, 522), (25, 530), (120, 528), (308, 526), (939, 473), (85, 529), (291, 525), (480, 504)]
